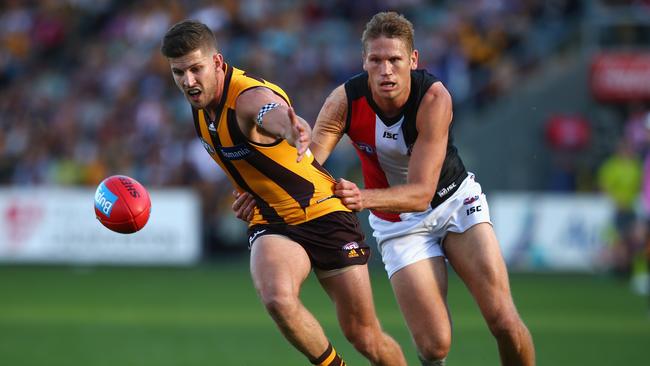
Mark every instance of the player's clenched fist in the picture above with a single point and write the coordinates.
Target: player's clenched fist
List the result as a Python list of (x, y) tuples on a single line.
[(349, 194)]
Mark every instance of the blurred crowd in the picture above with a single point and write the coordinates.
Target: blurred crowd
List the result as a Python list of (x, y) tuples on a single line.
[(85, 93)]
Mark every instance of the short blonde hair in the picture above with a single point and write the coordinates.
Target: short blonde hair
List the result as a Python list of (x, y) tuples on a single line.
[(388, 24)]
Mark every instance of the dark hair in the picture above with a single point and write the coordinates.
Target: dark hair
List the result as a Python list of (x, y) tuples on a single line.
[(388, 24), (185, 37)]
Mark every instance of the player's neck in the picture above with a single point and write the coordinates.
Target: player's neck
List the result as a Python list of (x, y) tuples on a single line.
[(214, 104), (211, 110), (391, 107), (212, 107)]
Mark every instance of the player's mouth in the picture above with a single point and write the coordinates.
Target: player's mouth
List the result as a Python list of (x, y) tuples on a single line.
[(387, 85), (194, 94)]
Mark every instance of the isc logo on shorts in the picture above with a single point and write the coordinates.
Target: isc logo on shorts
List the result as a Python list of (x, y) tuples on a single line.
[(474, 209), (104, 200)]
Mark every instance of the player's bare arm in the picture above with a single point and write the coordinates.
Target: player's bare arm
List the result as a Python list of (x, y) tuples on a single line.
[(263, 117), (428, 154), (330, 125)]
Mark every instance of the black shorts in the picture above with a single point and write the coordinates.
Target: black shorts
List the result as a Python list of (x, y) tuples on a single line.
[(332, 241)]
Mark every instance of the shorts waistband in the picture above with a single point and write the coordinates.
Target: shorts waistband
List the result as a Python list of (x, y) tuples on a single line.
[(448, 191)]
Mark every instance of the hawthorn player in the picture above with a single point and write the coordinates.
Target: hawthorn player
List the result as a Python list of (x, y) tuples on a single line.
[(248, 127)]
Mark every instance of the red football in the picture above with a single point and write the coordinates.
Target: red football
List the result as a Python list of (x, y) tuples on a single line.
[(122, 204)]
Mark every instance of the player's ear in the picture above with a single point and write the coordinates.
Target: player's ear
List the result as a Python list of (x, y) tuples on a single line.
[(217, 58), (414, 59)]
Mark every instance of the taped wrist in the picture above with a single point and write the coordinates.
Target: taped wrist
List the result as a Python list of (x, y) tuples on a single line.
[(266, 108)]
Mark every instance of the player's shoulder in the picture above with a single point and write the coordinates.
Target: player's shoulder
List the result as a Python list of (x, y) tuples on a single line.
[(423, 75), (422, 80), (338, 95), (245, 85), (242, 80), (436, 93), (356, 86)]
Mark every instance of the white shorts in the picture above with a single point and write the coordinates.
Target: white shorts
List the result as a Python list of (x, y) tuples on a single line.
[(419, 235)]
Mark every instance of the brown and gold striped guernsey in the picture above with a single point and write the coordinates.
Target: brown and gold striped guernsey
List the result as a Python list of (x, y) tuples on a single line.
[(285, 191)]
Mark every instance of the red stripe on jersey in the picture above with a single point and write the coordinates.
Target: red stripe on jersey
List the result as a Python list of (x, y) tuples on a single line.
[(362, 134)]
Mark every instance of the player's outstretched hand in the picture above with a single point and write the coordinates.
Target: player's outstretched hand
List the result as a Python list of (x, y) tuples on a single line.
[(300, 133), (349, 194), (244, 205)]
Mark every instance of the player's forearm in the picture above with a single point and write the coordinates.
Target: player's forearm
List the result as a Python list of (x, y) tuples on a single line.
[(406, 198), (323, 142)]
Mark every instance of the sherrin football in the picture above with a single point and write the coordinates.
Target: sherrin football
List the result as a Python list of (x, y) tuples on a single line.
[(122, 204)]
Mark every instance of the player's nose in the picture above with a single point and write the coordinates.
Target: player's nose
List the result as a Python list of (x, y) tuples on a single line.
[(385, 68), (188, 80)]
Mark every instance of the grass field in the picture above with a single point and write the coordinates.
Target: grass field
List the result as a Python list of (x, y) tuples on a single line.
[(210, 315)]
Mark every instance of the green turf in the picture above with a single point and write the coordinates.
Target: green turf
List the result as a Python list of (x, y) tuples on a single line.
[(210, 316)]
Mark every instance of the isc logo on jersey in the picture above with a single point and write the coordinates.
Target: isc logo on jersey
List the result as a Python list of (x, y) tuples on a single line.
[(104, 200)]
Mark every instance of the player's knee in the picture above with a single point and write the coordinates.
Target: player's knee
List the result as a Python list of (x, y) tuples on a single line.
[(366, 341), (434, 349), (505, 325), (278, 304)]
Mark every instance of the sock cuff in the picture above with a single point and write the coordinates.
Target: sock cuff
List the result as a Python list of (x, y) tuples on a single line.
[(424, 362), (329, 358), (329, 353)]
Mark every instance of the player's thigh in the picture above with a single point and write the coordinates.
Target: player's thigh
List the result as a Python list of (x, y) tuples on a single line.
[(476, 257), (421, 292), (352, 296), (278, 264)]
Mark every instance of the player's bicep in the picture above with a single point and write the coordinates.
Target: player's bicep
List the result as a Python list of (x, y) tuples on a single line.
[(250, 102), (433, 122), (330, 125)]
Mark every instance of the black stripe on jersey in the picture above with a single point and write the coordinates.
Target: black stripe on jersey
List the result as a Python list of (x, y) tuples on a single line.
[(268, 213), (317, 165), (421, 81), (296, 186), (224, 95), (353, 91), (195, 116)]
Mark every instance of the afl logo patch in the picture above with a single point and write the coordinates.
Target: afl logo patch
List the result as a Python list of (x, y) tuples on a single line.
[(470, 200), (365, 148)]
